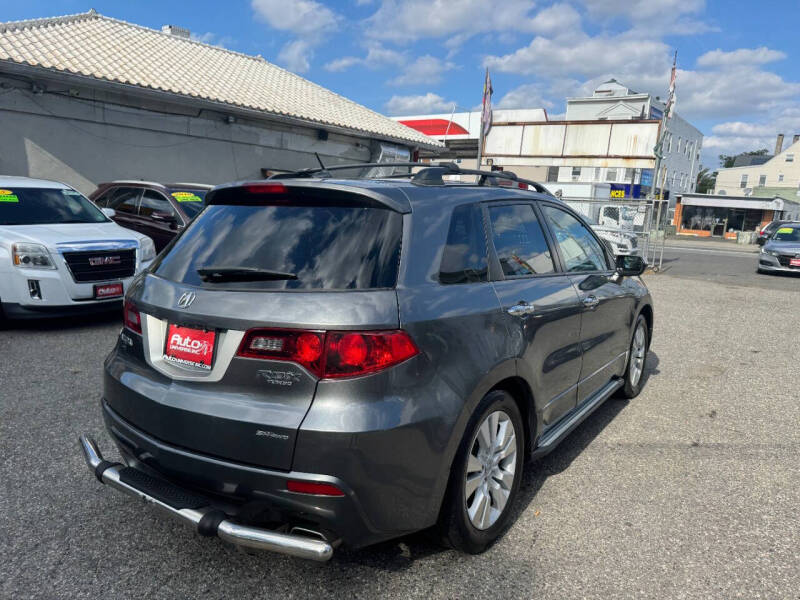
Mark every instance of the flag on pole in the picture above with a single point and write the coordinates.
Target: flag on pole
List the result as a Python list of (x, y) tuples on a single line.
[(671, 99), (486, 107)]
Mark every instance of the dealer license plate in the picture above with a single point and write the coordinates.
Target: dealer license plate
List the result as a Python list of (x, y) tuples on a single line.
[(108, 290), (188, 346), (794, 262)]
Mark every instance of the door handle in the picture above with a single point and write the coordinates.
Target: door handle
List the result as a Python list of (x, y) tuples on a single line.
[(591, 302), (523, 309)]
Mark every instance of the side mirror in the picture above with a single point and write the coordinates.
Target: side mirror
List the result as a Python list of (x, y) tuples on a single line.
[(109, 212), (630, 265), (761, 240)]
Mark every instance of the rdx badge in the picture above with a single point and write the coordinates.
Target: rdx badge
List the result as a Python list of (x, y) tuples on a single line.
[(279, 377)]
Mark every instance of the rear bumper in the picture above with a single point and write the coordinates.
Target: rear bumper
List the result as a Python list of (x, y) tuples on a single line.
[(197, 510), (246, 492)]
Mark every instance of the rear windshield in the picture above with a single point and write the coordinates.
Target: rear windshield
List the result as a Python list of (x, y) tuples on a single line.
[(191, 201), (324, 247), (46, 206)]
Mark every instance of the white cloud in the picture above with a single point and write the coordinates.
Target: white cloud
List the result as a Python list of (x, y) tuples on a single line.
[(528, 95), (377, 57), (740, 57), (209, 37), (555, 19), (423, 104), (296, 56), (310, 21), (424, 70), (638, 10), (582, 55), (409, 20), (298, 16)]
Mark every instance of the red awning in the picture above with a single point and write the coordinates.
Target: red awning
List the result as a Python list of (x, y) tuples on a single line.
[(435, 127)]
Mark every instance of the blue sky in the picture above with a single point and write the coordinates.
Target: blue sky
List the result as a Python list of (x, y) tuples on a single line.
[(738, 78)]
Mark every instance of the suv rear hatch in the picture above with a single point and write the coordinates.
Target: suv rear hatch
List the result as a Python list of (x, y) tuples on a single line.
[(289, 265)]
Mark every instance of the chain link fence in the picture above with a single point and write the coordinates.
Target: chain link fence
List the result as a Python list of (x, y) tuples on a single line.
[(629, 226)]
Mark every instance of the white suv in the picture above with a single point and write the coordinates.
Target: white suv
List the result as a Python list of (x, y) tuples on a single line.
[(59, 253)]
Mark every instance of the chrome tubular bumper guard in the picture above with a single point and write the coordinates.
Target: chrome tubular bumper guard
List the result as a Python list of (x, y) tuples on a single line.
[(192, 509)]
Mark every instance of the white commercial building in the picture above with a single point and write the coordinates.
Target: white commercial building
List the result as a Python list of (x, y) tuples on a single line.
[(608, 137)]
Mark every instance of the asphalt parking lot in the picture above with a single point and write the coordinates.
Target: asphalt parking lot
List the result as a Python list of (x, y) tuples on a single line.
[(688, 491)]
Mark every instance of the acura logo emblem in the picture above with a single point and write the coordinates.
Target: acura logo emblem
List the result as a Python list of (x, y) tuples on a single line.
[(186, 299)]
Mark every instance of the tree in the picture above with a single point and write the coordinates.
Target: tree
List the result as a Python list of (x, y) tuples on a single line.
[(705, 181), (726, 160)]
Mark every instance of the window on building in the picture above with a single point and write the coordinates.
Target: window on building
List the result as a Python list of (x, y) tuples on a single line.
[(790, 157), (743, 182), (762, 180), (780, 177), (576, 173), (552, 173), (597, 173), (629, 175), (680, 141), (670, 143), (611, 174)]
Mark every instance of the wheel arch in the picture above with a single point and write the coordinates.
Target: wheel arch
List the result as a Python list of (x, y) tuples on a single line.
[(522, 394)]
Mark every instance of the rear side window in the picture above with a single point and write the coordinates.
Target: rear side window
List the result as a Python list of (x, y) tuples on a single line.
[(191, 201), (322, 247), (464, 256), (519, 241)]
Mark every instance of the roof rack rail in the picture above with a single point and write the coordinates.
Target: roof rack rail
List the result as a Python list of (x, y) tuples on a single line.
[(429, 173)]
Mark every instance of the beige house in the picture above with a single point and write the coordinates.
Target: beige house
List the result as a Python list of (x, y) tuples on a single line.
[(781, 171)]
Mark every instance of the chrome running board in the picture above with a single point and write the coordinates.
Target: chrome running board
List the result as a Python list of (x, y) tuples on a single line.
[(552, 437)]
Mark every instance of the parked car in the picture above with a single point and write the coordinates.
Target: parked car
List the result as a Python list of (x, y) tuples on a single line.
[(160, 211), (781, 252), (59, 254), (317, 361), (768, 231)]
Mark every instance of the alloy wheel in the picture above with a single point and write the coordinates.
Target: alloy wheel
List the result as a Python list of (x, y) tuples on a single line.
[(638, 352), (491, 467)]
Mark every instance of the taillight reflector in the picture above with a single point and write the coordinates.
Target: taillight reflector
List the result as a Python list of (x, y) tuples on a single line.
[(332, 354), (312, 487), (131, 317)]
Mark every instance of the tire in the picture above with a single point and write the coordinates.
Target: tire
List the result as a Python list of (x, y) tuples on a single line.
[(637, 359), (466, 522)]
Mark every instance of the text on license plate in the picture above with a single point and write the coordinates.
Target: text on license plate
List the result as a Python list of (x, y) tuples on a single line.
[(794, 262), (108, 290), (188, 346)]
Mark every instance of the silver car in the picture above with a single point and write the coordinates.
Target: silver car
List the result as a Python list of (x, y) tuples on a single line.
[(782, 251)]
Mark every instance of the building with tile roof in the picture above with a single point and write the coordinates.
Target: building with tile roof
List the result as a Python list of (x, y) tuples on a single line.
[(86, 98)]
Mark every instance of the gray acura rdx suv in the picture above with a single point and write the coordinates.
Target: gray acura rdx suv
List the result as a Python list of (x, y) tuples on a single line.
[(317, 361)]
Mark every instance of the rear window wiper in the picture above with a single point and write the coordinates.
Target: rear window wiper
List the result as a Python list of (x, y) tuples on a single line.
[(223, 274)]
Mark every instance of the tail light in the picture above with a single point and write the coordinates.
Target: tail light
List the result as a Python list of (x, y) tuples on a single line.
[(313, 487), (332, 354), (265, 188), (301, 347), (131, 317)]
